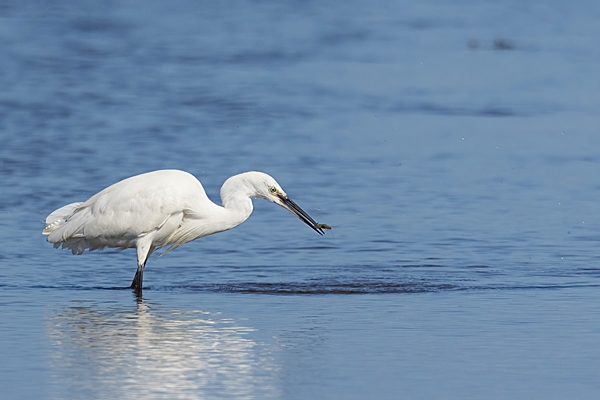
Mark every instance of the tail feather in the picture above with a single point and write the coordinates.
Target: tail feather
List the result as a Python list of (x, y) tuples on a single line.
[(65, 228), (64, 231), (58, 217)]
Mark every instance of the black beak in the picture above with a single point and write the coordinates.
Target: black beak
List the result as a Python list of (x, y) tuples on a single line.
[(300, 213)]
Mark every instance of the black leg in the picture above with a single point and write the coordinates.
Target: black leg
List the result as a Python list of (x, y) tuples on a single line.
[(138, 279), (134, 283)]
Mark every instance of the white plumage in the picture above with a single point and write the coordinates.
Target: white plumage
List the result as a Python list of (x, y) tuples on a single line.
[(158, 209)]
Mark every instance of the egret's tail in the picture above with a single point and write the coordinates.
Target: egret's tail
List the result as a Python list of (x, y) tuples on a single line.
[(64, 226), (56, 218)]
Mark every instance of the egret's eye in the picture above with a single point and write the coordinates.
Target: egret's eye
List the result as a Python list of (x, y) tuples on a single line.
[(273, 190)]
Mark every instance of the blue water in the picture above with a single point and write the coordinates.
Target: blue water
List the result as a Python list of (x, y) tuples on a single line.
[(454, 148)]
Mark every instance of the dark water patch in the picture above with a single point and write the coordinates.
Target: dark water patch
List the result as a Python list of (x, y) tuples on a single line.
[(466, 111), (327, 287), (421, 266), (386, 241), (561, 159), (585, 238), (322, 287), (265, 57), (320, 247), (374, 250), (96, 25), (589, 271)]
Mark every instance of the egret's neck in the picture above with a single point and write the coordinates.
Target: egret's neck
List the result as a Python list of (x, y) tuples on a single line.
[(213, 219), (236, 209), (236, 194), (206, 218)]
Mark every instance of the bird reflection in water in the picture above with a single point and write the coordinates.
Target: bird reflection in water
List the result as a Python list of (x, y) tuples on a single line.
[(100, 351)]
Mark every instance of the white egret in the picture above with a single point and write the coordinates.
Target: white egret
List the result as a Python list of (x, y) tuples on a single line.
[(161, 208)]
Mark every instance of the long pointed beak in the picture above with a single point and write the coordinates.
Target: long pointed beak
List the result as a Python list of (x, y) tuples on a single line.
[(295, 209)]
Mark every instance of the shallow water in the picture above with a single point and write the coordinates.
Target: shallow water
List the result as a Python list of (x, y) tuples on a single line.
[(453, 148)]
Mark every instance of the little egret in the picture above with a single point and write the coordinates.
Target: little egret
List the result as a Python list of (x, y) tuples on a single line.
[(161, 208)]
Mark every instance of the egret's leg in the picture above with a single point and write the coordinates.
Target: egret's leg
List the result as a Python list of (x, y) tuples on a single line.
[(144, 249), (138, 279)]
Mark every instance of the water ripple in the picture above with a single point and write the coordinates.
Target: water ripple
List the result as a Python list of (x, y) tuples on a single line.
[(326, 287)]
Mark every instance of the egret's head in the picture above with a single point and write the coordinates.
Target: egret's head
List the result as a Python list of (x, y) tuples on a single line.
[(267, 188)]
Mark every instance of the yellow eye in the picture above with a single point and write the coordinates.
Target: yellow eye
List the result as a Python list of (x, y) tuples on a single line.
[(273, 190)]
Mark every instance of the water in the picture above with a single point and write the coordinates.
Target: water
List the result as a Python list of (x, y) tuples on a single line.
[(453, 147)]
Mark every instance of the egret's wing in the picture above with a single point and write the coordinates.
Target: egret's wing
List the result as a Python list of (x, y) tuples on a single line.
[(151, 206), (119, 215)]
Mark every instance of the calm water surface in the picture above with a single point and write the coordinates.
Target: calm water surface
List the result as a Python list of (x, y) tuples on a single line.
[(454, 148)]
